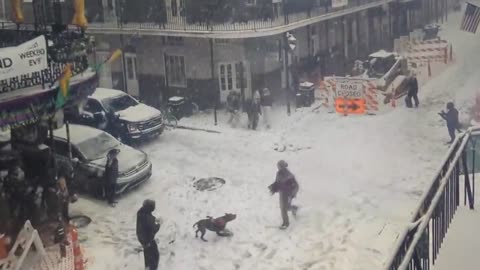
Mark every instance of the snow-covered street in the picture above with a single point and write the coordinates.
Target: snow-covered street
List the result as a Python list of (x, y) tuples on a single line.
[(360, 178)]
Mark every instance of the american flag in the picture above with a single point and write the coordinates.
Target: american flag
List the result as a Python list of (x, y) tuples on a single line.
[(471, 18)]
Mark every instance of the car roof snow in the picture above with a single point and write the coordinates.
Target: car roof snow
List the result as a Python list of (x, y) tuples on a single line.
[(382, 54), (78, 133), (104, 93)]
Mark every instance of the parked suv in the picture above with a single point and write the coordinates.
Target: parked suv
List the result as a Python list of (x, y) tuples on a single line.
[(89, 148), (119, 114)]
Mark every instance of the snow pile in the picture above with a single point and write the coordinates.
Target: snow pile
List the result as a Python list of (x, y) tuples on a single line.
[(360, 178)]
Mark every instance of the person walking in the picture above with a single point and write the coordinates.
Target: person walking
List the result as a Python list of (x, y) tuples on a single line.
[(253, 111), (233, 106), (266, 102), (412, 91), (451, 116), (287, 187), (147, 227), (111, 175)]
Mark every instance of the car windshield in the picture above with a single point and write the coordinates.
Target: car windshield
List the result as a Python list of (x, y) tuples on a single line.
[(119, 103), (380, 66), (97, 147)]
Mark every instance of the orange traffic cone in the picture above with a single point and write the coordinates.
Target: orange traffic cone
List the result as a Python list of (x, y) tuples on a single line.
[(77, 253)]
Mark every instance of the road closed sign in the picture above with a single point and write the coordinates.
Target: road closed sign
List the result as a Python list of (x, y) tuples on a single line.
[(350, 88)]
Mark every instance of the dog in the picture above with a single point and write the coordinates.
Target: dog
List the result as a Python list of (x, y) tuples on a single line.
[(215, 225)]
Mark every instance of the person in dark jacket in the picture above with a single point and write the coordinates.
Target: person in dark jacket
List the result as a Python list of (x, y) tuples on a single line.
[(253, 111), (287, 186), (412, 91), (451, 116), (111, 175), (147, 227)]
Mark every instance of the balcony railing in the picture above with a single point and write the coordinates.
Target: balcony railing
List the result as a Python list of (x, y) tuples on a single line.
[(419, 246), (175, 19)]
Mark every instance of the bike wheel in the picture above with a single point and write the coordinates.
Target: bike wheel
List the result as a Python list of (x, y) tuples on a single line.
[(171, 121)]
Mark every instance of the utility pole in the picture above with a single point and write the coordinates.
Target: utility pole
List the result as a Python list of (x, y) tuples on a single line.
[(290, 43), (287, 73)]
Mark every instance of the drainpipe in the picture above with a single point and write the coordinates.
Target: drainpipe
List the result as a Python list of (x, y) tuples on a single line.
[(212, 73)]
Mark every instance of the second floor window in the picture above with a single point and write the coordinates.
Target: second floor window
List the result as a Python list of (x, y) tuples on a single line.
[(175, 70)]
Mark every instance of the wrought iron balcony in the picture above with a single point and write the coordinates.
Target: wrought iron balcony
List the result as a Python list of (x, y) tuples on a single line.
[(194, 17)]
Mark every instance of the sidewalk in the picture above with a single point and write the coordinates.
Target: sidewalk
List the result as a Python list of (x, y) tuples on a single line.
[(461, 246)]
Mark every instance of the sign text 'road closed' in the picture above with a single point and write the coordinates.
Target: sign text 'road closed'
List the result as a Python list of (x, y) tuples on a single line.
[(350, 88)]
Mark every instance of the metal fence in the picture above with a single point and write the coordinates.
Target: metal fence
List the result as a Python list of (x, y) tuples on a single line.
[(110, 19), (419, 245)]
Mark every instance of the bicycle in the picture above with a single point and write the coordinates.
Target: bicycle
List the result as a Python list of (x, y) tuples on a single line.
[(168, 118)]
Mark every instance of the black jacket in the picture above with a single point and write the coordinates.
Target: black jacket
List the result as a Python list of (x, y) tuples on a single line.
[(147, 226), (267, 100), (111, 172), (413, 87), (451, 117)]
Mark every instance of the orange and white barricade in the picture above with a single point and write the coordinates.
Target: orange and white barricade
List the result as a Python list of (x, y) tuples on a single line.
[(371, 97)]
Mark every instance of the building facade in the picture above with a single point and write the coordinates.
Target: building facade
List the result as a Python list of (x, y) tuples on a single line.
[(206, 48)]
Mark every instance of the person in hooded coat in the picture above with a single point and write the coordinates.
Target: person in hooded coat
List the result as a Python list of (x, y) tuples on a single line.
[(287, 186), (451, 116), (147, 227), (111, 175)]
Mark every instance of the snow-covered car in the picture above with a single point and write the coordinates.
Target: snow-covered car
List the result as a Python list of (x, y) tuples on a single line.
[(89, 148), (119, 114)]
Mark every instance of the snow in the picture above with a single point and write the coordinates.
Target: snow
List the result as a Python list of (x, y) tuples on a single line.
[(360, 179), (78, 133), (140, 112), (104, 93), (460, 247), (381, 54), (176, 99)]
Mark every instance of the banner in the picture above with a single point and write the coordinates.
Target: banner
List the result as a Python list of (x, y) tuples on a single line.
[(339, 3), (23, 59)]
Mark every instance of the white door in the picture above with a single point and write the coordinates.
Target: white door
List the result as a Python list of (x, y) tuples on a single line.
[(229, 79), (105, 72), (131, 70)]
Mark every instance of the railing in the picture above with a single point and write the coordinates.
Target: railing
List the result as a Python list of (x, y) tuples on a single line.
[(108, 18), (419, 245)]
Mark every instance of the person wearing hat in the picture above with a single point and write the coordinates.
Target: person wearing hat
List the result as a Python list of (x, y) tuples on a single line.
[(287, 187), (451, 116), (111, 175), (147, 227)]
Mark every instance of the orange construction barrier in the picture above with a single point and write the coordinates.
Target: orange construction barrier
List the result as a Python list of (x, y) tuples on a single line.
[(79, 18), (350, 106)]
